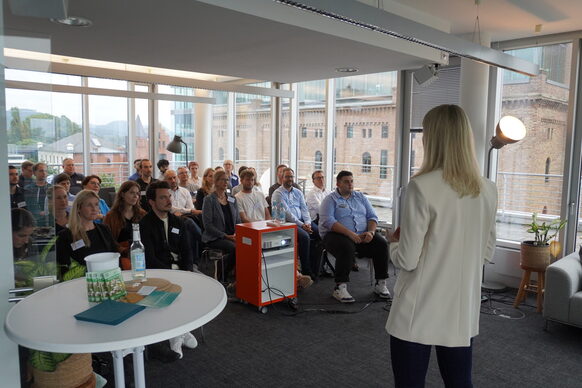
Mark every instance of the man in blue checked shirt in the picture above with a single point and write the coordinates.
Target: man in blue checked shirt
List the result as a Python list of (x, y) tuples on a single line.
[(347, 224), (297, 212)]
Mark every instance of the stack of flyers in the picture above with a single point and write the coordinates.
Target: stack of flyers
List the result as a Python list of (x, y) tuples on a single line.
[(105, 285)]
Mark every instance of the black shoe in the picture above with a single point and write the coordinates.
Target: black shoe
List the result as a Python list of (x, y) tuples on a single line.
[(355, 267), (326, 274), (162, 352)]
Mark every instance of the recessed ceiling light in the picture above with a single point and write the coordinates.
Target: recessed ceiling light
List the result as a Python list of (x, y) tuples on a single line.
[(74, 21), (346, 69)]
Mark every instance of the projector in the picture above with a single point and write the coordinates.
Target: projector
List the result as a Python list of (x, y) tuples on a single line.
[(276, 240), (426, 75)]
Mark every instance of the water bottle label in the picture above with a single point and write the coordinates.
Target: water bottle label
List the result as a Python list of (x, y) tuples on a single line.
[(139, 261)]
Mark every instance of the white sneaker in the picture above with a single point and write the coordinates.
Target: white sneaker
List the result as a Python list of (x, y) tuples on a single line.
[(189, 340), (176, 345), (381, 290), (341, 293)]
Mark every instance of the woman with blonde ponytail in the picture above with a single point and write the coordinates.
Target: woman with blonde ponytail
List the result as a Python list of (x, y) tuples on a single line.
[(447, 232), (83, 237)]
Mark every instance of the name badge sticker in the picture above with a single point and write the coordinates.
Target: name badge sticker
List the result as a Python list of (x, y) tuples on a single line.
[(78, 244), (143, 192), (79, 182), (70, 203), (22, 204), (175, 230), (230, 199), (342, 205)]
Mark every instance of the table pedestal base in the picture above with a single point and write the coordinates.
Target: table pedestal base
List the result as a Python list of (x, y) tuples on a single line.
[(138, 366)]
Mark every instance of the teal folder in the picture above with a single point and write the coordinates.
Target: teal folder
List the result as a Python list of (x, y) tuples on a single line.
[(109, 312)]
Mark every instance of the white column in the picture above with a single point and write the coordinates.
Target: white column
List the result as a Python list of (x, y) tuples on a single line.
[(203, 138), (473, 98)]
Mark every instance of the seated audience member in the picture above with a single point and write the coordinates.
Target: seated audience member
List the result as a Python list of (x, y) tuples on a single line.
[(296, 211), (347, 225), (316, 195), (184, 182), (135, 175), (22, 230), (205, 189), (279, 182), (93, 183), (163, 166), (162, 233), (58, 207), (35, 194), (257, 183), (194, 178), (83, 237), (182, 206), (238, 187), (252, 205), (218, 168), (166, 246), (26, 176), (219, 216), (125, 212), (146, 171), (63, 180), (76, 179), (232, 177), (17, 199)]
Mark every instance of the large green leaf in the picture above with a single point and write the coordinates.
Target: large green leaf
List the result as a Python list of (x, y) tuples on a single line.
[(75, 271), (60, 357), (42, 360)]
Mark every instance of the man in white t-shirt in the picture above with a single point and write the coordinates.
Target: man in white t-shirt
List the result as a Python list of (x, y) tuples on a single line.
[(314, 197), (251, 203)]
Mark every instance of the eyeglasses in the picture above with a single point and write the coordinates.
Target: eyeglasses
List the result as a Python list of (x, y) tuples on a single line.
[(318, 177)]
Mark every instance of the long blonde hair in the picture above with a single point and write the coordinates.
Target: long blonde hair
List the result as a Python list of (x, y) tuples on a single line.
[(448, 145), (75, 224), (206, 185)]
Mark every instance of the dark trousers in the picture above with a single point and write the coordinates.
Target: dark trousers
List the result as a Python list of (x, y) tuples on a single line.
[(229, 249), (307, 250), (410, 363), (195, 235), (344, 250)]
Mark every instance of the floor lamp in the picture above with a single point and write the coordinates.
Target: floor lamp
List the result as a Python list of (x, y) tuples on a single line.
[(509, 130), (175, 146)]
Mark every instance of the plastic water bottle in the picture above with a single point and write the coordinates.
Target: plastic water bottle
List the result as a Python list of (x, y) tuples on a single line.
[(275, 209), (138, 265), (281, 213)]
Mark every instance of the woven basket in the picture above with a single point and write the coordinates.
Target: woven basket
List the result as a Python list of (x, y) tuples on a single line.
[(76, 371), (534, 256)]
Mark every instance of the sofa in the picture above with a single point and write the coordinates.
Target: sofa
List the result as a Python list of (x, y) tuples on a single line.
[(563, 291)]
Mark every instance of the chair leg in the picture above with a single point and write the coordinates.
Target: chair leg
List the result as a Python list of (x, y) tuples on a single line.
[(371, 265), (540, 291)]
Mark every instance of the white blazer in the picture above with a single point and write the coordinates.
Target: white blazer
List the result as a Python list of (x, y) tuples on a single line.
[(444, 241)]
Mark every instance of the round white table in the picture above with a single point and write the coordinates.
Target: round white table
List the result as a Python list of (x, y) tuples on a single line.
[(45, 320)]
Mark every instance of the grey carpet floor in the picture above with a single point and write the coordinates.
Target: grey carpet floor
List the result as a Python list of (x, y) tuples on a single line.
[(328, 344)]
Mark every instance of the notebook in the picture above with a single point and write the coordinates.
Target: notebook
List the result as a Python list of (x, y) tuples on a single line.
[(109, 312)]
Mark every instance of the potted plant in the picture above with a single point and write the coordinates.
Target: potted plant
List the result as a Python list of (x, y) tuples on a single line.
[(535, 254)]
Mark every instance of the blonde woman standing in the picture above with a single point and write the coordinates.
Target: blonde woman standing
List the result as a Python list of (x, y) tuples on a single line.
[(447, 232), (83, 237)]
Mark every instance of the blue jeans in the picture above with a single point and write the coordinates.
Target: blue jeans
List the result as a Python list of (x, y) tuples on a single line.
[(410, 363), (306, 250)]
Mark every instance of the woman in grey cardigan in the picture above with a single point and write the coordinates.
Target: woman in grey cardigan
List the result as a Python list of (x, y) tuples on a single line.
[(219, 216)]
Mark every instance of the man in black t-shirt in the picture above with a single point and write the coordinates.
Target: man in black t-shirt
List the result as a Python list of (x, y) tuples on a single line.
[(146, 178)]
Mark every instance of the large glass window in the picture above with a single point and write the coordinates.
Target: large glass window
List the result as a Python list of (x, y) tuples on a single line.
[(253, 121), (311, 147), (109, 131), (219, 128), (367, 102), (530, 172)]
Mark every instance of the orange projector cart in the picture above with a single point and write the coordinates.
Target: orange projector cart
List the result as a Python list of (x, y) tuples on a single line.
[(265, 276)]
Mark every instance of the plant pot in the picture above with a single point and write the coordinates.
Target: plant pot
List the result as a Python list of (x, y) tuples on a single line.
[(75, 371), (534, 256)]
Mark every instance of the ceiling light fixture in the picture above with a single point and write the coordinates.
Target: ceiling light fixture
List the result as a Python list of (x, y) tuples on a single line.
[(73, 21), (426, 75), (346, 69)]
